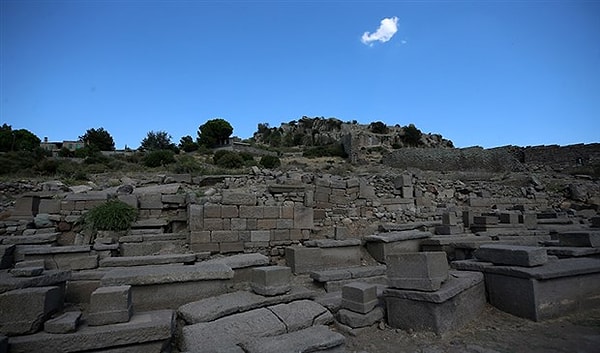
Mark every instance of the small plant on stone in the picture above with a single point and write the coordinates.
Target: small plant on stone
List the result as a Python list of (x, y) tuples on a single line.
[(113, 215)]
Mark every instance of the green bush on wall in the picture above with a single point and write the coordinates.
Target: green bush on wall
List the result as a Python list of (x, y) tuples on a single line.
[(114, 215)]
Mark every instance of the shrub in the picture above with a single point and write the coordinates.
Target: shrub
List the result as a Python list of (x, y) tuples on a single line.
[(378, 127), (230, 160), (332, 150), (412, 135), (113, 215), (159, 158), (270, 162), (187, 164)]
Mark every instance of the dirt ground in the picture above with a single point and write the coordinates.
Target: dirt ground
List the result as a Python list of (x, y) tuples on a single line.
[(493, 332)]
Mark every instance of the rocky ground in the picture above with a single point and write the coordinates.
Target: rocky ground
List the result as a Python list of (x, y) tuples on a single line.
[(495, 331)]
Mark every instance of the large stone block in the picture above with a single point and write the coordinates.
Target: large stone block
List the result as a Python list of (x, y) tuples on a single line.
[(196, 217), (271, 280), (359, 297), (23, 311), (515, 255), (357, 320), (150, 201), (303, 218), (49, 206), (424, 271), (558, 288), (6, 256), (382, 245), (238, 198), (580, 238), (110, 305), (460, 300), (303, 260), (251, 211), (64, 323)]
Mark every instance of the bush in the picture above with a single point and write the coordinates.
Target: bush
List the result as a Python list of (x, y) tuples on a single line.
[(333, 150), (159, 158), (378, 127), (412, 135), (47, 167), (230, 160), (187, 164), (270, 162), (113, 215)]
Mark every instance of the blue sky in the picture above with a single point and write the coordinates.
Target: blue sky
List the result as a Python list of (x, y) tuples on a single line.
[(487, 73)]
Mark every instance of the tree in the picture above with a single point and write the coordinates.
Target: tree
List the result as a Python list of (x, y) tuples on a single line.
[(412, 135), (214, 132), (188, 144), (378, 127), (17, 140), (99, 138), (158, 140)]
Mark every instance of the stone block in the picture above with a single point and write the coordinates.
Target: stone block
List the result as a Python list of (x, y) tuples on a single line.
[(449, 219), (459, 301), (303, 218), (515, 255), (303, 260), (449, 230), (196, 217), (280, 235), (302, 314), (224, 236), (143, 329), (580, 238), (595, 222), (271, 280), (231, 247), (485, 220), (205, 247), (49, 206), (529, 220), (313, 339), (6, 256), (286, 212), (41, 303), (164, 189), (238, 198), (359, 297), (230, 211), (27, 271), (509, 217), (357, 320), (408, 192), (212, 211), (251, 211), (263, 224), (558, 288), (271, 211), (285, 223), (424, 271), (467, 218), (260, 235), (197, 237), (110, 305), (213, 224), (150, 201), (64, 323)]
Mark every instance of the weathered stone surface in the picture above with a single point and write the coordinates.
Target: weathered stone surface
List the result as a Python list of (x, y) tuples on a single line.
[(587, 239), (241, 260), (301, 314), (356, 320), (303, 217), (422, 271), (147, 260), (213, 308), (312, 339), (164, 189), (47, 278), (271, 280), (572, 251), (6, 256), (142, 328), (26, 271), (515, 255), (398, 236), (332, 243), (460, 300), (359, 297), (19, 319), (146, 275), (231, 330), (64, 323), (150, 201), (110, 305), (303, 260), (44, 238), (88, 196), (238, 198)]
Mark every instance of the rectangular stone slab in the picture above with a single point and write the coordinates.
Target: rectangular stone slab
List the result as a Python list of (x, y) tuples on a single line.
[(147, 260), (515, 255), (576, 238), (143, 327), (146, 275), (553, 269), (460, 301), (312, 339), (213, 308)]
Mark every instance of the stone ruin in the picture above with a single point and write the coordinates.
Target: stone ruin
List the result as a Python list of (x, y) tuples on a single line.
[(283, 262)]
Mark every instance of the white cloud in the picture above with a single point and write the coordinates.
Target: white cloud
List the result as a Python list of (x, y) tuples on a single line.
[(385, 32)]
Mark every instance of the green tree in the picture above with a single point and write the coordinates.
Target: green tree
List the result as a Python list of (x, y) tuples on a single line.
[(158, 140), (188, 144), (17, 140), (412, 135), (214, 132), (98, 138), (378, 127)]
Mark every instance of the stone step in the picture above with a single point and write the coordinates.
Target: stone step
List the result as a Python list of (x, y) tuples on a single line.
[(151, 330), (229, 331), (125, 261), (146, 248), (44, 238), (313, 339), (213, 308), (348, 273)]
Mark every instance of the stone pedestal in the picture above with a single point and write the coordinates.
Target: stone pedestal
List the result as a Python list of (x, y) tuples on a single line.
[(271, 280), (459, 300), (110, 305), (424, 271)]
